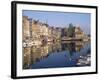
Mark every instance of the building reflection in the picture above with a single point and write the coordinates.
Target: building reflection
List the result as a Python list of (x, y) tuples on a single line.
[(72, 46), (36, 53)]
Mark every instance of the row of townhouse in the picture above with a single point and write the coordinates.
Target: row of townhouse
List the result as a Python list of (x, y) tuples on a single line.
[(35, 30)]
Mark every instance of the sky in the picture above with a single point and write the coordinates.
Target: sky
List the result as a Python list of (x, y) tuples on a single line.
[(61, 19)]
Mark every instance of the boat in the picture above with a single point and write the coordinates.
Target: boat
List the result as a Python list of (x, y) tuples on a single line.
[(84, 60)]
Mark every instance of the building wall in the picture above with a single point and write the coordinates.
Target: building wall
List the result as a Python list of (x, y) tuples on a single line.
[(45, 30), (35, 29), (26, 25), (79, 33)]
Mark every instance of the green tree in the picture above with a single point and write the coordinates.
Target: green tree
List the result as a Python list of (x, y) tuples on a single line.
[(70, 31)]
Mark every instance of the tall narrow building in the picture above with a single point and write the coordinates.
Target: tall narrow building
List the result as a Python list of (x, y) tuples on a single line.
[(26, 28)]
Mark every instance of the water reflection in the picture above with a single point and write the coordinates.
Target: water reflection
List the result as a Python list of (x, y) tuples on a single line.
[(59, 54)]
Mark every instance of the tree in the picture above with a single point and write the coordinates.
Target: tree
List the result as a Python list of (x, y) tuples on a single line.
[(70, 31)]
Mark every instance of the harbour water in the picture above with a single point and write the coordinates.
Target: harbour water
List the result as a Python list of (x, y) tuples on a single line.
[(58, 54)]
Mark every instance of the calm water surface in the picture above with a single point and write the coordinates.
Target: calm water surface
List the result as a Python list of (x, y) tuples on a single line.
[(59, 54)]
